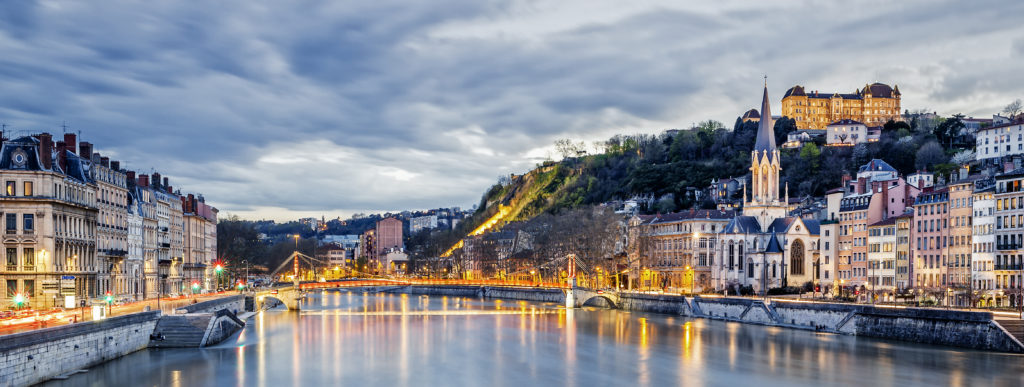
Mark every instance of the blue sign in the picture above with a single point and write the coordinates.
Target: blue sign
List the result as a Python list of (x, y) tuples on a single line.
[(67, 277)]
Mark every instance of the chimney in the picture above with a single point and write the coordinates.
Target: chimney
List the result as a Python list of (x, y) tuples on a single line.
[(131, 176), (167, 182), (70, 140), (143, 180), (105, 161), (85, 149), (156, 180), (170, 189), (963, 173), (62, 158), (115, 165), (46, 150), (862, 185), (96, 157)]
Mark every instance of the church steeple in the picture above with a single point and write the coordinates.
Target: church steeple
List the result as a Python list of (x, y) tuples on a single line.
[(765, 132), (764, 201)]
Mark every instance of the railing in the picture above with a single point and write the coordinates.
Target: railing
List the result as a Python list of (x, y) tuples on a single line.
[(1009, 267), (430, 282), (1008, 246)]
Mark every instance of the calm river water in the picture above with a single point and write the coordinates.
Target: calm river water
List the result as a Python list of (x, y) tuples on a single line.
[(356, 339)]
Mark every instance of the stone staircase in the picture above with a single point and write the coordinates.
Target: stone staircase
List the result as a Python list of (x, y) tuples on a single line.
[(1015, 327), (184, 331)]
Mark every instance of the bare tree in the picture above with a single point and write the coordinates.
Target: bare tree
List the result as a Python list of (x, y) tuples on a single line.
[(569, 148), (1013, 109)]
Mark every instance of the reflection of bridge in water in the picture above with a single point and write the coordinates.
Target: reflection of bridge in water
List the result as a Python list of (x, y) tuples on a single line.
[(575, 297)]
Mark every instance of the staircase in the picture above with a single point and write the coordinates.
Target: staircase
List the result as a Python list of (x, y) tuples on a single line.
[(1013, 326), (185, 331)]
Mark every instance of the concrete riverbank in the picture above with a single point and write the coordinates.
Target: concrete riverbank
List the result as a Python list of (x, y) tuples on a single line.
[(974, 330), (32, 357)]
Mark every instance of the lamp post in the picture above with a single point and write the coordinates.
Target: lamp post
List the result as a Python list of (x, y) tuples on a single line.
[(689, 271)]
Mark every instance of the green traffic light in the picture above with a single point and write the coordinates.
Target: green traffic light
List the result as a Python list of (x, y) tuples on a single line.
[(19, 299)]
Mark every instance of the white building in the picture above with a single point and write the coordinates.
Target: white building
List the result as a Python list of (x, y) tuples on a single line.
[(136, 247), (921, 180), (112, 223), (421, 223), (999, 141), (846, 132), (984, 240), (882, 257)]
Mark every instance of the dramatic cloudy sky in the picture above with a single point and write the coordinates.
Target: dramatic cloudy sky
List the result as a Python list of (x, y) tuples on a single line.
[(281, 109)]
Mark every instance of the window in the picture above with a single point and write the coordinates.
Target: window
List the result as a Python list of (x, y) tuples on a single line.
[(29, 256), (12, 223), (10, 188), (12, 288), (12, 257), (28, 189), (29, 223)]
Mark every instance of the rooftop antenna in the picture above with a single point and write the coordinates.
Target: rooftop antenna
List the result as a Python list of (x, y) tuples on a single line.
[(765, 80), (64, 125)]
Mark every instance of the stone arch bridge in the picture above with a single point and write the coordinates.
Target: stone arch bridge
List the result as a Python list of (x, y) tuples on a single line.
[(577, 297), (288, 295)]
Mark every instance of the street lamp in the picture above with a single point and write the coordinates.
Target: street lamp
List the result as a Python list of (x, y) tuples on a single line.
[(218, 269), (19, 300), (689, 271)]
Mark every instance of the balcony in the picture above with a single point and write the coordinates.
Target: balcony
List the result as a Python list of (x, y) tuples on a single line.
[(1008, 267), (114, 252), (12, 267), (1008, 246), (165, 245)]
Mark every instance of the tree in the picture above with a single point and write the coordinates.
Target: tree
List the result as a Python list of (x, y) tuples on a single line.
[(1013, 109), (963, 157), (783, 126), (929, 155), (569, 148), (949, 129), (893, 126)]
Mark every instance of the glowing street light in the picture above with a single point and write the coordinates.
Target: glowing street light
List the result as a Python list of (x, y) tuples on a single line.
[(19, 300)]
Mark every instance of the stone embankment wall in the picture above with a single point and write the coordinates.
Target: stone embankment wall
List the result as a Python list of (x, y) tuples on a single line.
[(32, 357), (974, 330), (236, 304)]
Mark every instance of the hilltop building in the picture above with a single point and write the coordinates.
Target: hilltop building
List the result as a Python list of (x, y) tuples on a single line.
[(873, 105)]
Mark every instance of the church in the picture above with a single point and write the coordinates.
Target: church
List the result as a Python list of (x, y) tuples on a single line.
[(764, 247)]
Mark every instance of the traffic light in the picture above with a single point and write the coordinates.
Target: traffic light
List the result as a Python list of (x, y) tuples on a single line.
[(195, 285), (241, 285), (109, 298), (19, 300), (219, 269)]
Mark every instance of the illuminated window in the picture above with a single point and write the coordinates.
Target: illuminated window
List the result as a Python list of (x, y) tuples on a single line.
[(10, 188), (28, 188)]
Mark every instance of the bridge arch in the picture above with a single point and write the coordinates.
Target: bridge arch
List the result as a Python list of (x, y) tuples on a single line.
[(587, 297)]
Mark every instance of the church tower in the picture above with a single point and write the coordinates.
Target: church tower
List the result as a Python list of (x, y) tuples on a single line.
[(764, 203)]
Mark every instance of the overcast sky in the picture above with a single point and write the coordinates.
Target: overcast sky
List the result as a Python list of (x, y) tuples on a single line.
[(292, 108)]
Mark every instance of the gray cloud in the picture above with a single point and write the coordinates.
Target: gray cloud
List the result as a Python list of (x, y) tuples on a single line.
[(283, 109)]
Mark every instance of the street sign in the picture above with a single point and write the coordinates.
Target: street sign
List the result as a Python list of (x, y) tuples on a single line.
[(67, 277), (69, 302)]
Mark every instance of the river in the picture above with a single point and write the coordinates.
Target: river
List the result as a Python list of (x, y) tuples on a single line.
[(357, 339)]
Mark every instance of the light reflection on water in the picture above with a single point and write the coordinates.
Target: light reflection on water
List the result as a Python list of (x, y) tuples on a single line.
[(344, 338)]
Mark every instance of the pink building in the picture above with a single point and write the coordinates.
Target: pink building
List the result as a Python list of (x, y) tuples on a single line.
[(389, 236)]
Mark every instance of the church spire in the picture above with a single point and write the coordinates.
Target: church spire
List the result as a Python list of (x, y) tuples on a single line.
[(765, 132)]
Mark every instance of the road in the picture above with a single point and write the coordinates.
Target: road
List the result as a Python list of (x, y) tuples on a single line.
[(46, 319)]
